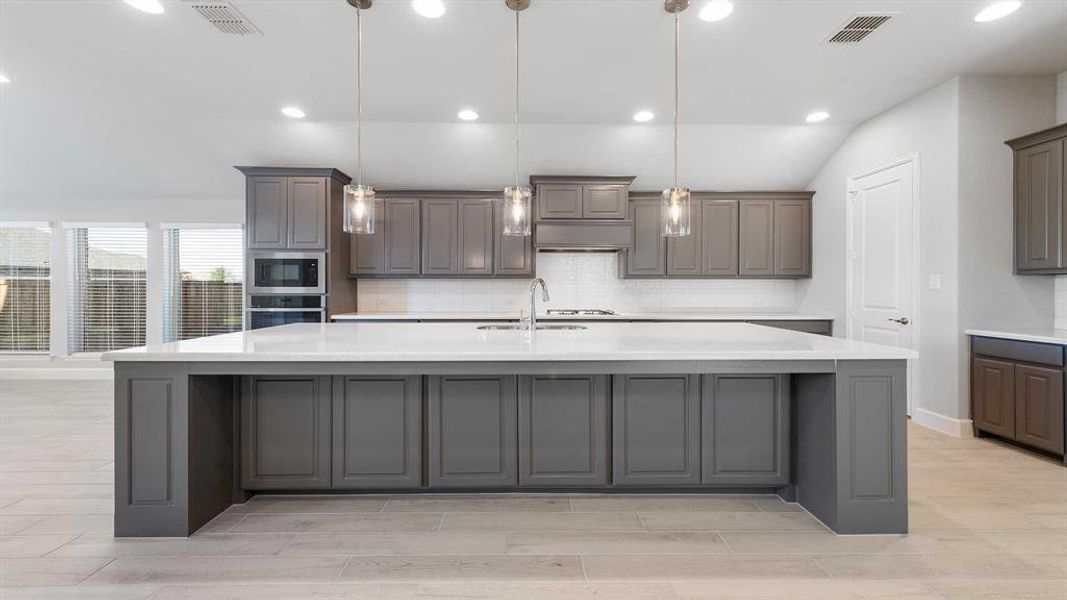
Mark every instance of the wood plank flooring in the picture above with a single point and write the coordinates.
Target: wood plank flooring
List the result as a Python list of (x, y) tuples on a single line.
[(988, 522)]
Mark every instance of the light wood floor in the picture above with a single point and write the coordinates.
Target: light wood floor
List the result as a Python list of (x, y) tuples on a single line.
[(987, 521)]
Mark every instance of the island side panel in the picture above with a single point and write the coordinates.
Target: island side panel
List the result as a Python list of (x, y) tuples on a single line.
[(212, 476)]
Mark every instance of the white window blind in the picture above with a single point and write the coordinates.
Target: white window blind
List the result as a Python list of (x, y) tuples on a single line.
[(106, 306), (203, 274), (24, 289)]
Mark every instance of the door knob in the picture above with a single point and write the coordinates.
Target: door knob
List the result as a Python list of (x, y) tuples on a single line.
[(901, 320)]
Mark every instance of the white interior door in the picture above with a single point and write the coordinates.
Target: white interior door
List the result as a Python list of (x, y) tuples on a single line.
[(882, 257)]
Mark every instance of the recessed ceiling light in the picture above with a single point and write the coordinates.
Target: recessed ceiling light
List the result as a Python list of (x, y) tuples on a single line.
[(431, 9), (152, 7), (716, 10), (467, 115), (644, 116), (293, 112), (815, 117), (4, 78), (997, 10)]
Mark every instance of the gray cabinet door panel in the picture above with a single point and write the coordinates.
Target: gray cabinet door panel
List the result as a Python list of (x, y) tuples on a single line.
[(1039, 198), (377, 432), (267, 208), (745, 432), (1039, 407), (656, 429), (684, 253), (604, 201), (367, 250), (718, 234), (440, 225), (646, 256), (563, 422), (475, 237), (513, 255), (559, 201), (285, 433), (792, 238), (307, 213), (756, 236), (993, 396), (472, 431), (402, 236)]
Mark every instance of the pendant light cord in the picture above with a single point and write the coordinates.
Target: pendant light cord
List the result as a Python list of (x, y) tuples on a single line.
[(677, 29), (516, 98), (359, 98)]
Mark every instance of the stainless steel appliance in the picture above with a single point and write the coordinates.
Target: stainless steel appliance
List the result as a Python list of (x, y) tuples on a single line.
[(580, 312), (286, 273), (271, 310)]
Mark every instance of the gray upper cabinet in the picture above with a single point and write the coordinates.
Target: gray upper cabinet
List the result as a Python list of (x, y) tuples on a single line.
[(792, 238), (367, 250), (745, 430), (472, 431), (718, 233), (475, 240), (306, 214), (440, 233), (377, 432), (559, 201), (266, 212), (563, 430), (604, 201), (580, 197), (285, 433), (402, 237), (656, 430), (1041, 202), (645, 258), (512, 255), (684, 253), (756, 235)]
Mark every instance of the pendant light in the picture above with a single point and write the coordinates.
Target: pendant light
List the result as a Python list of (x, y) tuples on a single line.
[(359, 199), (674, 206), (517, 198)]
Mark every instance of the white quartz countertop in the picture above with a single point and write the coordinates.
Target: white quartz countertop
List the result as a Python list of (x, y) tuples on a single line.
[(632, 316), (451, 342), (1024, 334)]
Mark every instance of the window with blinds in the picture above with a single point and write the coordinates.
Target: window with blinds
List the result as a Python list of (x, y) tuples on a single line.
[(24, 289), (203, 275), (106, 304)]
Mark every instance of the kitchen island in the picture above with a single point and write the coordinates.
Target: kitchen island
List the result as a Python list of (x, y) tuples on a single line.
[(598, 407)]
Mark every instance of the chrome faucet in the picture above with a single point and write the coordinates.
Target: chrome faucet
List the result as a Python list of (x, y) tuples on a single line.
[(533, 300)]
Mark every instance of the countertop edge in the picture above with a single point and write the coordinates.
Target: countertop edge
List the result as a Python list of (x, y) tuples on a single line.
[(1055, 338)]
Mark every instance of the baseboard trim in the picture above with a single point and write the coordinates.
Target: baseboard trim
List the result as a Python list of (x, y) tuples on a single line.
[(960, 428), (38, 374)]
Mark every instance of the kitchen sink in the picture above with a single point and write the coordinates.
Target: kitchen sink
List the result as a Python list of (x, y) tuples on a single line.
[(523, 327)]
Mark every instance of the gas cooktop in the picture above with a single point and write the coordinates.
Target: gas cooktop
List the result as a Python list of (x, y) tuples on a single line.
[(580, 312)]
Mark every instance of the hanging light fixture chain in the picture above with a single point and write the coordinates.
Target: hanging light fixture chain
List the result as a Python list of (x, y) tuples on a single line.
[(359, 97), (517, 12), (677, 29)]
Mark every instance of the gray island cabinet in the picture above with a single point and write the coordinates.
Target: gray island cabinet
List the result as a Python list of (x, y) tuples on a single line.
[(418, 407)]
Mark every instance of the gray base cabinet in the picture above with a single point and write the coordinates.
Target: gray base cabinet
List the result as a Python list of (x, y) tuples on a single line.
[(656, 430), (472, 431), (285, 433), (563, 430), (377, 432), (745, 429)]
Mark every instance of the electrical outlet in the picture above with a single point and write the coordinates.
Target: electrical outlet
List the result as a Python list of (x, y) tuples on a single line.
[(935, 282)]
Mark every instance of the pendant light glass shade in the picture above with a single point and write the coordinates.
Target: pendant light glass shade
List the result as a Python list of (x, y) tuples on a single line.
[(674, 212), (517, 211), (359, 209)]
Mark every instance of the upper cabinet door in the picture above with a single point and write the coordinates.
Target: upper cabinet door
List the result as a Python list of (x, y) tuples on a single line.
[(718, 233), (604, 201), (475, 237), (307, 213), (646, 257), (440, 219), (266, 212), (1039, 200), (559, 201), (756, 232), (513, 254), (402, 236), (792, 238), (367, 250), (684, 253)]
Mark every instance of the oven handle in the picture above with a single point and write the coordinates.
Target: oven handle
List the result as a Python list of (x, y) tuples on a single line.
[(318, 310)]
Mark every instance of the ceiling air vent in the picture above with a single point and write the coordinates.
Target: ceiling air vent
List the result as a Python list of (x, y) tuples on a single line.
[(858, 27), (225, 17)]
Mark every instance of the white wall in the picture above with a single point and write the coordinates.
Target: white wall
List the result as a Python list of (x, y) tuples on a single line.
[(926, 126), (1061, 281), (575, 280)]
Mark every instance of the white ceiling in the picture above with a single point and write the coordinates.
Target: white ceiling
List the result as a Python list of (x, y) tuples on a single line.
[(162, 83)]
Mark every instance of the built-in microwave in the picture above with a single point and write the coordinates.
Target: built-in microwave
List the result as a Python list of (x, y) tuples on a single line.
[(286, 273)]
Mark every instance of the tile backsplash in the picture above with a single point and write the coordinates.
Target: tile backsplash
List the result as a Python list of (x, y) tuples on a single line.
[(575, 280)]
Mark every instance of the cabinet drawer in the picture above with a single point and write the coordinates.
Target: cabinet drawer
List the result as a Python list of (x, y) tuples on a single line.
[(1033, 352)]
